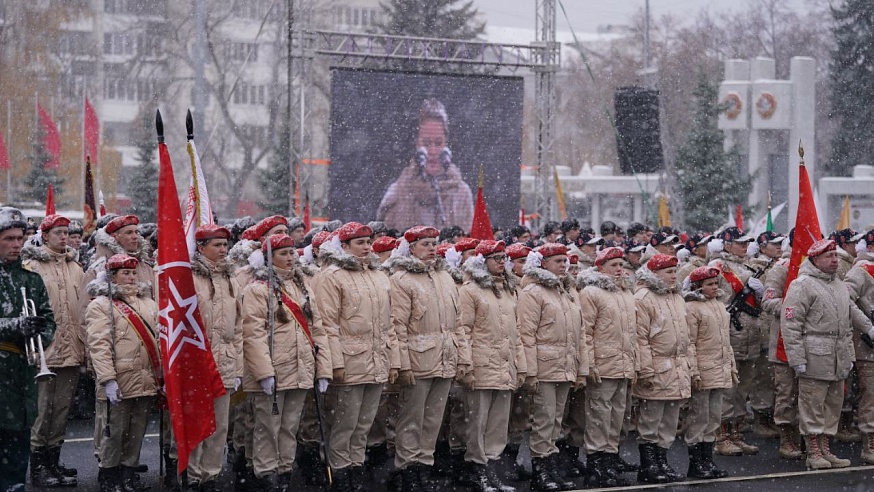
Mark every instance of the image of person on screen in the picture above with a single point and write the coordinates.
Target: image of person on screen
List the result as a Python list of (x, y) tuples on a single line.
[(430, 189)]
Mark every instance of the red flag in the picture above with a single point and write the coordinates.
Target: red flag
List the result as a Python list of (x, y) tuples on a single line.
[(482, 225), (50, 201), (90, 222), (91, 129), (52, 137), (807, 232), (4, 155), (739, 218), (190, 375), (306, 213)]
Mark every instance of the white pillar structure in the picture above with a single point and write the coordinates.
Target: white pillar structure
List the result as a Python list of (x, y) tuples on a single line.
[(803, 78)]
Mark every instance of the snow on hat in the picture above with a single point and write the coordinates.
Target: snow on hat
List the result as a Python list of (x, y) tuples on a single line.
[(353, 230), (122, 261), (820, 247), (660, 262), (442, 248), (663, 237), (489, 247), (590, 238), (263, 227), (631, 245), (378, 226), (703, 273), (320, 238), (697, 240), (735, 235), (295, 223), (11, 217), (769, 237), (122, 221), (552, 249), (608, 254), (52, 221), (420, 232), (517, 250), (211, 231), (75, 227), (278, 241), (249, 234), (846, 236), (383, 244), (465, 244)]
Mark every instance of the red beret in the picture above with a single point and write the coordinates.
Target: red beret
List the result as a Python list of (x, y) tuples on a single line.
[(278, 241), (122, 221), (552, 249), (300, 251), (573, 259), (383, 244), (608, 254), (263, 227), (660, 262), (52, 221), (703, 273), (442, 248), (465, 244), (820, 247), (518, 250), (353, 230), (249, 234), (320, 238), (211, 231), (117, 262), (489, 247), (420, 232)]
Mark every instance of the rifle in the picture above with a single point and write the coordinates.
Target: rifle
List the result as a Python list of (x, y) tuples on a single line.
[(271, 314), (323, 440), (739, 305), (864, 336)]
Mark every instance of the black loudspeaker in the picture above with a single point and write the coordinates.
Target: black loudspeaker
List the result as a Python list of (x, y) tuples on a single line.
[(637, 124)]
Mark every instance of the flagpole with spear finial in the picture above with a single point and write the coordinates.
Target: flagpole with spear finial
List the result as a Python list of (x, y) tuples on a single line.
[(159, 128)]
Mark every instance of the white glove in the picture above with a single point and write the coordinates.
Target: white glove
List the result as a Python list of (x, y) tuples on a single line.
[(715, 246), (757, 286), (861, 246), (800, 369), (323, 385), (112, 393), (683, 255), (268, 384), (237, 383)]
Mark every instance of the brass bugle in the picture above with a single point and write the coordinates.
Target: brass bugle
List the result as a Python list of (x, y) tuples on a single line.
[(36, 355)]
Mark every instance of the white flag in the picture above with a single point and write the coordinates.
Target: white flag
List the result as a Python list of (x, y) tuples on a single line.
[(199, 211)]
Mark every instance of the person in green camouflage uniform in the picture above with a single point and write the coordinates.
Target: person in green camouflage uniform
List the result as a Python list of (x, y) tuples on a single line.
[(18, 395)]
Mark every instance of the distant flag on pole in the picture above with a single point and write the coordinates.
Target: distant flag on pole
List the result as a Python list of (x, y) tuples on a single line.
[(306, 213), (664, 212), (50, 201), (770, 225), (199, 211), (807, 232), (52, 138), (559, 194), (91, 130), (4, 154), (90, 219), (844, 219), (102, 203), (739, 217)]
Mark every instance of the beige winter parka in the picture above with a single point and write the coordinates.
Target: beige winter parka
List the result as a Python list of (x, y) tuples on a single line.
[(746, 343), (355, 304), (551, 326), (127, 362), (106, 246), (610, 324), (424, 315), (219, 299), (293, 364), (63, 277), (860, 284), (663, 340), (709, 345), (489, 336), (845, 263), (817, 325), (772, 302)]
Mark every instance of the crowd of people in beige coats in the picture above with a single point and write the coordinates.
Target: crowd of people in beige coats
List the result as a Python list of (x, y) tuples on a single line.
[(345, 346)]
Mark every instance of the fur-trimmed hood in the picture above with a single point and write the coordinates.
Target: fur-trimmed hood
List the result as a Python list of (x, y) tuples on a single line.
[(592, 277), (43, 254), (414, 265), (239, 254), (101, 238), (202, 267), (546, 278), (260, 273), (693, 296), (100, 287), (648, 279), (484, 279), (346, 261), (456, 273)]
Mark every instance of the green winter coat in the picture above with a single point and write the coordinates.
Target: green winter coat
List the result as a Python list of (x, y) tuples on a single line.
[(17, 383)]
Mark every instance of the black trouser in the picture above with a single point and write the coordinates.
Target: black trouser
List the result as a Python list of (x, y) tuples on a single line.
[(14, 455)]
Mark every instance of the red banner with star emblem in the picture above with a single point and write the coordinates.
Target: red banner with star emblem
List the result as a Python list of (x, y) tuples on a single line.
[(190, 374)]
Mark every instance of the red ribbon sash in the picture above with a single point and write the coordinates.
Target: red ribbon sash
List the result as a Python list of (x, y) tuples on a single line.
[(146, 336), (297, 312), (869, 267), (737, 285)]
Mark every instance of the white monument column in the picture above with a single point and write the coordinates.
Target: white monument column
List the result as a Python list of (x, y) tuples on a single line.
[(761, 70), (803, 76)]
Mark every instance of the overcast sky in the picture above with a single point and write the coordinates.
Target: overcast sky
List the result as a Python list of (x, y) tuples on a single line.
[(587, 15)]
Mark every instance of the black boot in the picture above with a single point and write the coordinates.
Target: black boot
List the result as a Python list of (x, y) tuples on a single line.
[(600, 473), (283, 482), (570, 462), (479, 479), (672, 474), (356, 475), (341, 480), (210, 486), (41, 474), (171, 480), (697, 465), (707, 456), (311, 465), (109, 479), (128, 477), (457, 465), (409, 478), (650, 471), (496, 480), (427, 478), (54, 460), (621, 466), (268, 483), (541, 479), (553, 464)]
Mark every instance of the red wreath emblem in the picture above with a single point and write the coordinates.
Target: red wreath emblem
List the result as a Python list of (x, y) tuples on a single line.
[(766, 105), (733, 105)]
